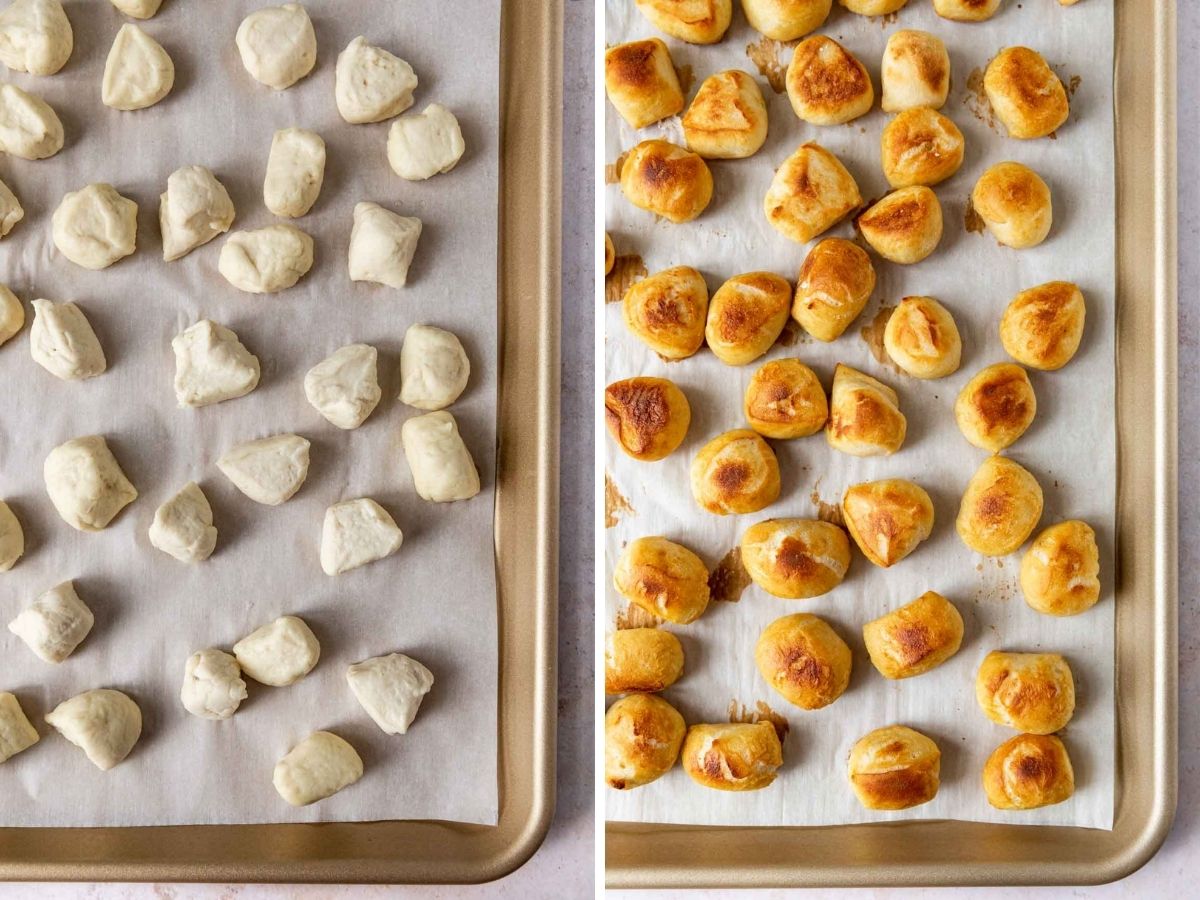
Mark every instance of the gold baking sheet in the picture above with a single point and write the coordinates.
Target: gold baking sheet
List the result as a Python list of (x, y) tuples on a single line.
[(526, 536), (958, 853)]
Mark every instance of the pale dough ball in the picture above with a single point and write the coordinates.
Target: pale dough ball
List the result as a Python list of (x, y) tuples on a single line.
[(382, 245), (873, 7), (344, 387), (12, 538), (212, 685), (85, 483), (355, 533), (441, 464), (95, 226), (269, 470), (434, 368), (266, 260), (278, 45), (194, 209), (16, 734), (183, 526), (138, 9), (10, 211), (29, 128), (371, 84), (390, 688), (62, 342), (138, 72), (280, 653), (54, 624), (212, 365), (915, 71), (966, 10), (35, 36), (318, 767), (12, 314), (105, 724), (421, 146), (295, 172)]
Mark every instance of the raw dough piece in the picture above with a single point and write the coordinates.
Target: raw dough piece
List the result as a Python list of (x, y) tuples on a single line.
[(16, 734), (54, 624), (278, 45), (12, 314), (269, 470), (138, 72), (29, 128), (421, 146), (10, 210), (266, 260), (194, 209), (85, 483), (183, 526), (433, 368), (95, 226), (62, 342), (317, 767), (279, 653), (138, 9), (382, 245), (372, 84), (35, 36), (212, 365), (440, 462), (390, 688), (212, 685), (12, 538), (344, 387), (355, 533), (104, 723), (295, 172)]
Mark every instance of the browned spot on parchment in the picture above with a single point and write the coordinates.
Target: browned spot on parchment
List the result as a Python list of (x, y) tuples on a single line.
[(729, 578), (738, 712), (633, 616), (1073, 84), (791, 335), (625, 271), (972, 220), (826, 512), (976, 99), (686, 78), (764, 53), (872, 335), (612, 172), (615, 504)]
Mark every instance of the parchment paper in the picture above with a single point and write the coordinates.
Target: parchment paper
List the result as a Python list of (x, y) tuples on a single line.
[(1070, 448), (434, 599)]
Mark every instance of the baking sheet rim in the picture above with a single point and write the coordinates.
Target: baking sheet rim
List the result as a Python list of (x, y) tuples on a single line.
[(529, 208), (1135, 34)]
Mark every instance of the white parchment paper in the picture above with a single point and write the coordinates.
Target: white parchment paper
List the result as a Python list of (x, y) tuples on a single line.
[(1070, 448), (434, 599)]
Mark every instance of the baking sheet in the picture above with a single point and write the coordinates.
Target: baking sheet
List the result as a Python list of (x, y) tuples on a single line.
[(1070, 447), (151, 611)]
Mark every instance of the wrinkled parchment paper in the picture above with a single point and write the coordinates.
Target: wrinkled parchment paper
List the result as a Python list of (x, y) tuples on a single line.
[(1070, 447), (434, 599)]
